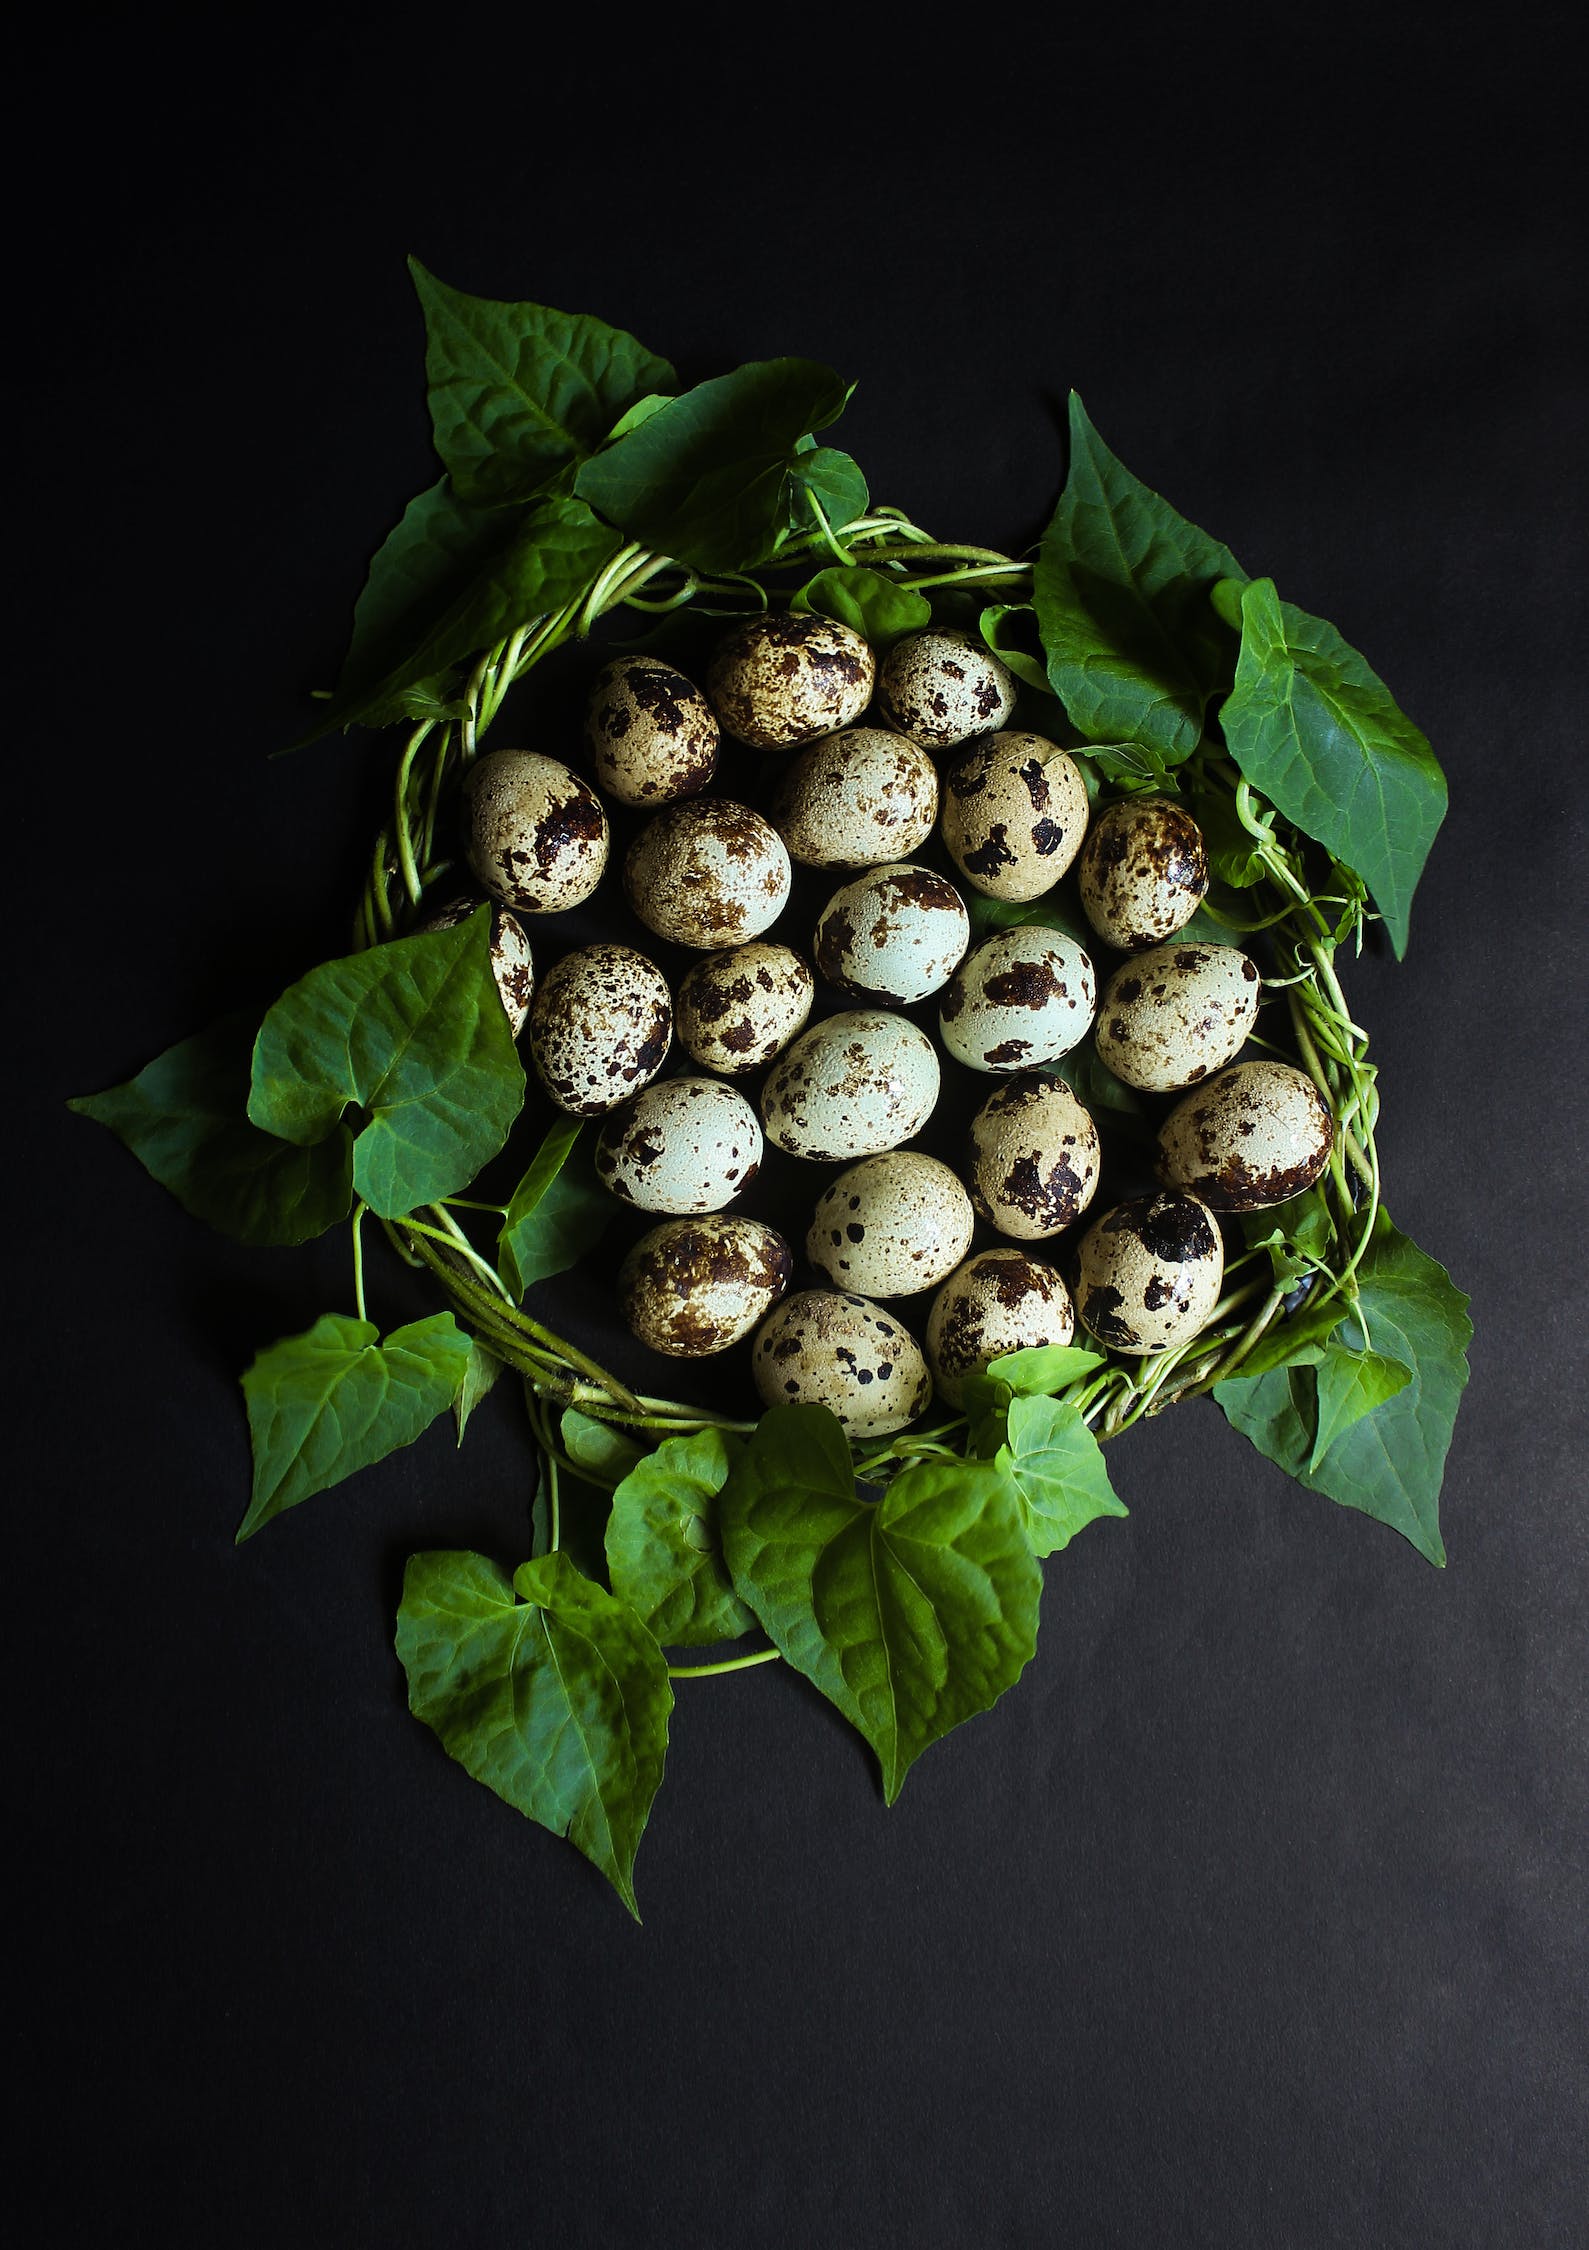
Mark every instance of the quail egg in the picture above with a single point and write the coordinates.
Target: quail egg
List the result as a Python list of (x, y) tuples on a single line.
[(1149, 1273), (999, 1301), (534, 833), (685, 1144), (1032, 1158), (1014, 815), (1143, 871), (895, 934), (826, 1348), (890, 1225), (853, 1085), (694, 1286), (1021, 998), (941, 687), (857, 799), (1170, 1016), (511, 962), (781, 681), (651, 733), (707, 873), (1257, 1134), (600, 1027), (736, 1011)]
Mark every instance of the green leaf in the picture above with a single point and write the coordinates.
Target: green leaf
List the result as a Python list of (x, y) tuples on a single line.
[(518, 391), (1122, 582), (326, 1403), (663, 1551), (1037, 1372), (641, 411), (1295, 1339), (1096, 1087), (1318, 732), (1297, 1234), (605, 1452), (909, 1615), (834, 481), (558, 1212), (557, 1700), (437, 550), (185, 1118), (1058, 1470), (1055, 910), (480, 1373), (1233, 854), (877, 608), (707, 477), (1349, 1385), (1012, 654), (413, 1031)]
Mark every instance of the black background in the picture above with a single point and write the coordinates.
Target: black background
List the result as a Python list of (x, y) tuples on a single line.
[(1256, 1914)]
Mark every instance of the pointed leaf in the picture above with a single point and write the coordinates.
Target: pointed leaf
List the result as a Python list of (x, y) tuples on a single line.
[(436, 551), (834, 481), (1058, 1470), (876, 607), (597, 1447), (663, 1550), (558, 1212), (479, 1376), (1349, 1385)]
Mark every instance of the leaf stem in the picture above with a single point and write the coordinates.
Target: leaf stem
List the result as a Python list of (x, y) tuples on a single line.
[(729, 1664), (358, 1260)]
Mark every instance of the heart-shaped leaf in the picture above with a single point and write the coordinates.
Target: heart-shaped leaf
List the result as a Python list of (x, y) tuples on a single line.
[(663, 1550)]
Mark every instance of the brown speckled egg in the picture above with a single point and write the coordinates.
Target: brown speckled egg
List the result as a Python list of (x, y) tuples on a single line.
[(891, 1225), (1143, 871), (1257, 1134), (511, 961), (1149, 1273), (1021, 998), (1032, 1158), (736, 1011), (534, 833), (600, 1026), (651, 732), (694, 1286), (1000, 1301), (707, 873), (857, 799), (1014, 815), (778, 682), (684, 1145), (1173, 1015), (852, 1085), (827, 1348), (941, 687), (894, 934)]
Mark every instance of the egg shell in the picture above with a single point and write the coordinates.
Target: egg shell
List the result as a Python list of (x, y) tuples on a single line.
[(999, 1301), (1032, 1158), (1257, 1134), (891, 1225), (826, 1347), (683, 1145), (707, 873), (1149, 1273), (777, 682), (895, 933), (694, 1286), (651, 733), (512, 963), (856, 799), (535, 834), (1142, 872), (600, 1027), (736, 1011), (1014, 815), (1171, 1016), (942, 687), (1020, 998), (853, 1085)]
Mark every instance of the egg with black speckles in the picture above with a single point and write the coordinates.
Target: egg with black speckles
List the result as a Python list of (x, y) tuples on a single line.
[(512, 963), (692, 1287), (735, 1012), (1014, 815), (1142, 872), (535, 834), (999, 1301), (853, 1085), (684, 1145), (1032, 1158), (601, 1023), (1149, 1273), (941, 687), (651, 733), (1172, 1016), (895, 934), (708, 873), (1256, 1135), (856, 799), (777, 682), (1019, 999), (891, 1225), (826, 1347)]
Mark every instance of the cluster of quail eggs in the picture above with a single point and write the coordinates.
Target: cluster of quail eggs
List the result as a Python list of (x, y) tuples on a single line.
[(862, 763)]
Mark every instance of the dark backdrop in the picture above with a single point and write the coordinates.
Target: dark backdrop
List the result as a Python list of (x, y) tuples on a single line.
[(1255, 1915)]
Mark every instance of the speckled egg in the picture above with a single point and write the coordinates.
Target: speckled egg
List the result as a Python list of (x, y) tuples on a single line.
[(1032, 1158), (824, 1347), (511, 961), (1176, 1013), (684, 1145), (778, 682), (1021, 998), (694, 1286), (895, 933), (1149, 1273), (651, 732), (600, 1027), (736, 1011), (1257, 1134), (1014, 815), (891, 1225), (857, 799), (1143, 871), (1000, 1301), (707, 873), (534, 833), (851, 1086), (941, 687)]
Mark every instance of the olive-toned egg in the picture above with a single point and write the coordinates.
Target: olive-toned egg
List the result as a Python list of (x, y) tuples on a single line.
[(1142, 872), (857, 799), (999, 1301), (1014, 814), (1149, 1273), (941, 687), (853, 1085), (781, 681), (1175, 1014), (735, 1011), (1032, 1158), (535, 834), (601, 1023), (1257, 1134), (692, 1287), (651, 733), (826, 1347), (891, 1225), (707, 873)]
